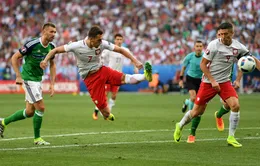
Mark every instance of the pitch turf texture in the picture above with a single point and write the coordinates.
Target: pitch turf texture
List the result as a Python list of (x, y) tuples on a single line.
[(140, 135)]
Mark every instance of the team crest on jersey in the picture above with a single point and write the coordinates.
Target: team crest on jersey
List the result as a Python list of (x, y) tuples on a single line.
[(235, 51), (98, 51), (207, 51), (23, 49)]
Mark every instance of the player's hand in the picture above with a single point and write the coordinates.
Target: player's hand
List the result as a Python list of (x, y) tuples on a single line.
[(181, 84), (43, 65), (19, 80), (51, 90), (136, 71), (215, 86), (138, 65), (236, 84)]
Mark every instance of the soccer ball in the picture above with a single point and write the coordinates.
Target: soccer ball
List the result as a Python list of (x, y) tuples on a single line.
[(246, 64)]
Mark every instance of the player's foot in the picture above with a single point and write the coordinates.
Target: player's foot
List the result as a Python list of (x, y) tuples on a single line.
[(40, 141), (2, 127), (219, 122), (95, 115), (233, 142), (148, 71), (111, 117), (191, 139), (177, 133), (184, 107)]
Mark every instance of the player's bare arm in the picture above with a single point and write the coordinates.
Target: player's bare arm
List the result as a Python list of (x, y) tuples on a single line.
[(181, 75), (205, 70), (122, 51), (52, 75), (236, 83), (50, 55), (15, 64), (257, 62)]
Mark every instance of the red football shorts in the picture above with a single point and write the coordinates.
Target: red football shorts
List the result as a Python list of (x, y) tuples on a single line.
[(206, 92), (96, 84), (112, 88)]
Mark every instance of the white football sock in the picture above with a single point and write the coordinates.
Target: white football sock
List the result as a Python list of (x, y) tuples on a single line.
[(134, 79), (111, 104), (233, 122), (186, 119)]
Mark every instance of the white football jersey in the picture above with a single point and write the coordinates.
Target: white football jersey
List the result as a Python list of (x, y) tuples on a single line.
[(88, 59), (222, 58), (113, 59)]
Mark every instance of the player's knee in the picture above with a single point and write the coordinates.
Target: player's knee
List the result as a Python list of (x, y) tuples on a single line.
[(29, 112), (235, 107), (226, 106)]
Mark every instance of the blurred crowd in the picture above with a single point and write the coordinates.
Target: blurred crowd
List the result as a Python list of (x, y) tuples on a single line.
[(162, 31)]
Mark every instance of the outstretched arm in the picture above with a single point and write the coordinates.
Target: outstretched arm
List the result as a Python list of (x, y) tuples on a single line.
[(50, 55), (257, 62), (120, 50), (52, 75)]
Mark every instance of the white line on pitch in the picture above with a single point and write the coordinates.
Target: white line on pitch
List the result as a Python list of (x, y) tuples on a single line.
[(118, 143), (117, 132)]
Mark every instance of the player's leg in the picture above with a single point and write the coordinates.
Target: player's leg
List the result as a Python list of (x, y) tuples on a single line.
[(189, 115), (112, 100), (136, 78), (195, 121), (96, 110), (229, 94), (233, 121), (205, 94), (96, 86), (34, 97), (218, 115), (20, 114), (37, 122)]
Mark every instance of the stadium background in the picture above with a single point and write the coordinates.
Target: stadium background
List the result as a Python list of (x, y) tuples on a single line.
[(162, 32)]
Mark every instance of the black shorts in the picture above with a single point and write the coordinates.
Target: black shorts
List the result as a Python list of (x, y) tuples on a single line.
[(193, 83)]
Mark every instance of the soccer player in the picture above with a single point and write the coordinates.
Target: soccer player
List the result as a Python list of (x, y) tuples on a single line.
[(193, 80), (115, 61), (33, 52), (216, 65), (94, 74)]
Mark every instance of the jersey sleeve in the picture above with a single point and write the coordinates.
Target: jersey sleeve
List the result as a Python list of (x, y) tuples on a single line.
[(186, 60), (108, 45), (243, 51), (27, 47), (210, 51), (71, 46)]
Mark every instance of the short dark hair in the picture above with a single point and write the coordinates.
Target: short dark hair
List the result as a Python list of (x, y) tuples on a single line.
[(94, 31), (48, 24), (198, 41), (118, 35), (225, 25)]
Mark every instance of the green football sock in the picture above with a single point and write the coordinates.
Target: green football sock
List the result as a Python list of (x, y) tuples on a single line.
[(191, 104), (194, 125), (18, 115), (37, 123), (222, 111), (187, 101)]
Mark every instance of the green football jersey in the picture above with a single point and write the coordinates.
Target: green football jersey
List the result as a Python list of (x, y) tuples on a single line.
[(194, 65), (34, 52)]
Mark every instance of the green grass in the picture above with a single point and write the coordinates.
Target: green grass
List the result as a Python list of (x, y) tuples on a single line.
[(140, 135)]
